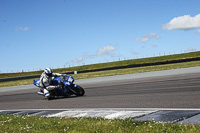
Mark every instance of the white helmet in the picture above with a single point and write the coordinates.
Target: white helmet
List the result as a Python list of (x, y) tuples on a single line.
[(48, 71)]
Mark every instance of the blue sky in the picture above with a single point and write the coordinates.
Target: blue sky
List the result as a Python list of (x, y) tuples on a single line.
[(35, 34)]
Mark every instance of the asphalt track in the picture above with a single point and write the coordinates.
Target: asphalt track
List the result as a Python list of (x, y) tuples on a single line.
[(169, 90)]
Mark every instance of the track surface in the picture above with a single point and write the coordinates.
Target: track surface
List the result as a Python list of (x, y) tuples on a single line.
[(171, 91)]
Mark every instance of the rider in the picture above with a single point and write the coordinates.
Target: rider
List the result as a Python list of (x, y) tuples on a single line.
[(46, 81)]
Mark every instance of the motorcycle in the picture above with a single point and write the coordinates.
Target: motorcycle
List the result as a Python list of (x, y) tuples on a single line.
[(66, 87)]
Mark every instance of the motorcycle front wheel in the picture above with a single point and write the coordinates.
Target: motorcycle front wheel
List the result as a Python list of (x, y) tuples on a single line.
[(80, 91)]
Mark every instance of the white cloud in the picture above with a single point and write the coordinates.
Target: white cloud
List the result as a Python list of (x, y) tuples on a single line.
[(191, 50), (185, 22), (23, 28), (85, 56), (142, 39), (79, 59), (145, 38), (107, 50)]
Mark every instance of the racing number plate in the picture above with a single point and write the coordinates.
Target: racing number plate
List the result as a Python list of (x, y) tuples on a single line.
[(70, 79)]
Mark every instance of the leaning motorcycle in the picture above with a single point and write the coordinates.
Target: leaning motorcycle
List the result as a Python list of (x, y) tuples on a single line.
[(66, 87)]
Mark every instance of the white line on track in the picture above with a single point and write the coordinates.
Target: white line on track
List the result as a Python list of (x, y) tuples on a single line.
[(108, 114), (113, 109)]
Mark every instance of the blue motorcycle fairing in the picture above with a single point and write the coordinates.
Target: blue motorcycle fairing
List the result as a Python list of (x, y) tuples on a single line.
[(75, 85), (68, 81), (37, 83), (68, 84), (57, 81)]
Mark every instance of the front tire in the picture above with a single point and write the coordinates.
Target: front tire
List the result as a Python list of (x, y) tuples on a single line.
[(80, 91)]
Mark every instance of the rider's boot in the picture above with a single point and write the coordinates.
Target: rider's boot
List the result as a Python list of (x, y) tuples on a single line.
[(40, 92), (46, 93)]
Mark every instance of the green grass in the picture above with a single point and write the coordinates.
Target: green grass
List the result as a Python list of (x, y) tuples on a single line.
[(111, 64), (24, 123), (111, 72)]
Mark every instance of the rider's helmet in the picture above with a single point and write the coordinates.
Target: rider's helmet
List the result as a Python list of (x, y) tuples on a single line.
[(48, 71)]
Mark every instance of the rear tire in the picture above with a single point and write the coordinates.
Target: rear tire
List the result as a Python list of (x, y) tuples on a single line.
[(51, 95), (49, 98)]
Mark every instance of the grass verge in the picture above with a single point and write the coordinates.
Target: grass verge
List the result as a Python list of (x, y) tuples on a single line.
[(110, 64), (112, 72), (24, 123)]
